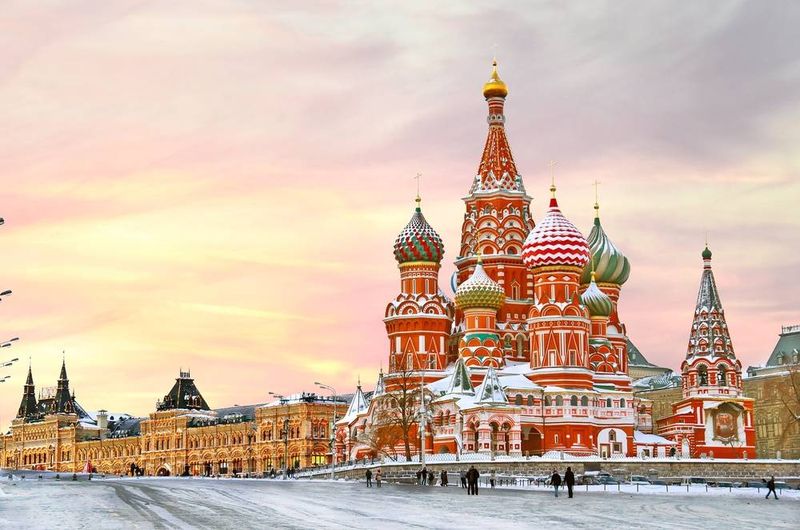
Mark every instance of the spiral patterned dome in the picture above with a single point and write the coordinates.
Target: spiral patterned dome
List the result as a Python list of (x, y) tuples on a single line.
[(418, 241), (555, 241), (596, 301), (610, 264), (480, 291)]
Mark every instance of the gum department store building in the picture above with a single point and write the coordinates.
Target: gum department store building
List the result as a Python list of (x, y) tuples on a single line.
[(531, 356)]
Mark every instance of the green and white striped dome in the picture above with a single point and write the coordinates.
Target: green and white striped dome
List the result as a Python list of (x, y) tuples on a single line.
[(610, 264), (596, 301)]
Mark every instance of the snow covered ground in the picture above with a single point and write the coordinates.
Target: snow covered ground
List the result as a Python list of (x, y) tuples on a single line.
[(218, 504)]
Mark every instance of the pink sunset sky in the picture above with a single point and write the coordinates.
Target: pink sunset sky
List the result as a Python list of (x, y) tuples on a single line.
[(217, 185)]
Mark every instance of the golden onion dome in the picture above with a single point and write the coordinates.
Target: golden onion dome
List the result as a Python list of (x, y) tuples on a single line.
[(480, 291), (495, 87)]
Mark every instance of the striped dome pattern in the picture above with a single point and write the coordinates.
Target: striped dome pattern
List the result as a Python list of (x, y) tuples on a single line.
[(418, 241), (555, 241), (480, 291), (610, 264), (596, 301)]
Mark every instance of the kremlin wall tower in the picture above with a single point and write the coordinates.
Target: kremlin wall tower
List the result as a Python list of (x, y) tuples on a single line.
[(531, 355)]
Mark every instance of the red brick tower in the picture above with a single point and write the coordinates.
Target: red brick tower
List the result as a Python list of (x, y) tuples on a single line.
[(419, 319), (713, 418), (496, 223), (558, 323)]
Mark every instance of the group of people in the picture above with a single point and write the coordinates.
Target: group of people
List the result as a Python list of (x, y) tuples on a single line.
[(378, 478), (569, 481)]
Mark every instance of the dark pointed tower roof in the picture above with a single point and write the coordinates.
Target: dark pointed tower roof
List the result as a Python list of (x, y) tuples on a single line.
[(63, 401), (183, 395), (709, 334), (28, 406)]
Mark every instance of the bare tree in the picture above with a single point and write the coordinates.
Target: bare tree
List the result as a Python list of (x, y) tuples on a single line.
[(789, 394), (399, 406)]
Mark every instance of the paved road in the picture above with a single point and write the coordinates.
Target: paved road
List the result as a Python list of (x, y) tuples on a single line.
[(220, 504)]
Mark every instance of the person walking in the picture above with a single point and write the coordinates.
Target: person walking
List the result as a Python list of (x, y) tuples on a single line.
[(569, 480), (419, 477), (369, 478), (424, 476), (463, 476), (555, 480), (771, 486), (491, 479), (443, 478), (431, 478), (378, 478), (472, 481)]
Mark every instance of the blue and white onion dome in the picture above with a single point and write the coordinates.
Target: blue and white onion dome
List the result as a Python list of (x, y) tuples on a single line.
[(596, 301), (480, 291), (610, 264)]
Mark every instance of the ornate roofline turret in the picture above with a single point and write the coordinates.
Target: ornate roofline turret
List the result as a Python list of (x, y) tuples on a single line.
[(28, 407)]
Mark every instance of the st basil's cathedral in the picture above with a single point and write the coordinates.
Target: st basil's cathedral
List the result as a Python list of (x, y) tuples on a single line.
[(531, 355)]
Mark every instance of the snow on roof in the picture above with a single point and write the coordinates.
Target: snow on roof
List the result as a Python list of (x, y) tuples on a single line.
[(644, 438), (491, 391), (517, 382), (459, 382), (357, 406)]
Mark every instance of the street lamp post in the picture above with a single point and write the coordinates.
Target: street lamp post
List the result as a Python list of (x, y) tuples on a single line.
[(275, 425), (285, 448), (333, 428)]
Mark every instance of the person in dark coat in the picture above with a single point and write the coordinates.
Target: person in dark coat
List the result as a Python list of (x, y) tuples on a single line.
[(569, 480), (463, 476), (431, 479), (771, 486), (419, 476), (443, 478), (555, 480), (424, 476), (369, 478), (472, 481)]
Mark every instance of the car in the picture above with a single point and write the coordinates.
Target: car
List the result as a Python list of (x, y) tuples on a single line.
[(607, 480), (639, 479), (694, 480), (755, 484)]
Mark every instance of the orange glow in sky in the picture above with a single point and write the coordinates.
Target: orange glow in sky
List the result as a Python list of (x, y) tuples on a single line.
[(217, 185)]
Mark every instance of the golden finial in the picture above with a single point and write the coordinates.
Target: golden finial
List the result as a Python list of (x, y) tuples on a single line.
[(592, 260), (418, 199), (480, 257), (495, 87), (596, 201), (552, 165)]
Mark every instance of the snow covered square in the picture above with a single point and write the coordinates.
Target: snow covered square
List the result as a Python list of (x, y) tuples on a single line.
[(230, 503)]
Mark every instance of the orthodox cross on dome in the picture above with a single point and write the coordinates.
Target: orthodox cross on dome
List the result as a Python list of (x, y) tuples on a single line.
[(552, 165), (418, 177), (596, 198)]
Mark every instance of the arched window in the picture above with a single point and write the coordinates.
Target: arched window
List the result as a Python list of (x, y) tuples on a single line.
[(608, 403), (584, 401), (622, 403), (573, 401), (722, 376), (702, 375), (612, 436), (547, 401), (530, 400), (518, 400), (559, 401)]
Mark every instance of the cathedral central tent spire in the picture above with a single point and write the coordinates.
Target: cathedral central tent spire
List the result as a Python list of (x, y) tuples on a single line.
[(497, 171)]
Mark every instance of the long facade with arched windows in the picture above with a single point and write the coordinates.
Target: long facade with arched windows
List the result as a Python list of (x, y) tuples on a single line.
[(182, 436)]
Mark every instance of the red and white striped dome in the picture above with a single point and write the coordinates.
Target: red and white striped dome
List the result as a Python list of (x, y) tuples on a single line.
[(555, 241)]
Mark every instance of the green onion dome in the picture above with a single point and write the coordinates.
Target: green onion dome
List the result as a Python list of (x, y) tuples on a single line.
[(706, 253), (610, 264), (596, 301), (418, 241), (480, 291)]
